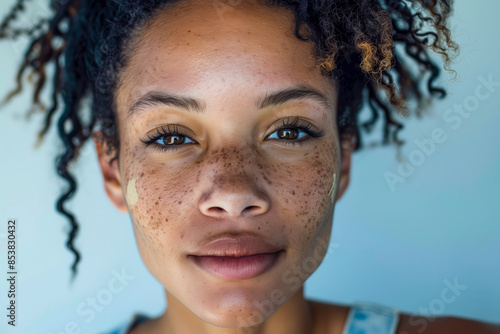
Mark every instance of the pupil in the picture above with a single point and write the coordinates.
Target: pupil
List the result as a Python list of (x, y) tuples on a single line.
[(288, 134)]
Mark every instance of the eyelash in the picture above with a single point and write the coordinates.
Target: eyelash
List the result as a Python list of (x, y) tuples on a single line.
[(163, 131), (295, 123), (290, 123)]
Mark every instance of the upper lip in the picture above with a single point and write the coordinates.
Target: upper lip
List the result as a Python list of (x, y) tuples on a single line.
[(237, 246)]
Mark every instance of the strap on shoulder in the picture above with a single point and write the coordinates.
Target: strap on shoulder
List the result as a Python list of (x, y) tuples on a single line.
[(370, 318)]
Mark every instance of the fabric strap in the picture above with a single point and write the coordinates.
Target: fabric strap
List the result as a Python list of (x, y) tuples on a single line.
[(366, 318)]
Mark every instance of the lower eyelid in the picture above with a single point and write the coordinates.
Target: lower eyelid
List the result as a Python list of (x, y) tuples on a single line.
[(301, 141)]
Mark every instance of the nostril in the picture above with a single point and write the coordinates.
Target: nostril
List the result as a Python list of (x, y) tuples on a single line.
[(253, 209), (216, 209)]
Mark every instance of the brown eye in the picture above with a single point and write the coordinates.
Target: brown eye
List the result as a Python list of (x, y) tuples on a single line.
[(167, 138), (288, 134), (173, 139)]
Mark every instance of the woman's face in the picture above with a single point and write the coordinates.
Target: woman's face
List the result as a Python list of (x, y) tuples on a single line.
[(237, 164)]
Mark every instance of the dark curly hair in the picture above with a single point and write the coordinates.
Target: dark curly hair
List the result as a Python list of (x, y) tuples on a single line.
[(368, 46)]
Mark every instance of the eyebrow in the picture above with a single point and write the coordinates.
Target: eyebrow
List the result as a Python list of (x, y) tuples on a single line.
[(190, 104)]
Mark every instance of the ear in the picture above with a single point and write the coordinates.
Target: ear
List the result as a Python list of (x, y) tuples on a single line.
[(110, 173), (348, 143)]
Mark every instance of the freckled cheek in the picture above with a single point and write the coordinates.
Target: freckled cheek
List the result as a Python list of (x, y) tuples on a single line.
[(308, 196), (163, 197), (302, 192)]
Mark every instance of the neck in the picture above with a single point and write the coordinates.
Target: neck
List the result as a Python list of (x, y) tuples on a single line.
[(293, 317)]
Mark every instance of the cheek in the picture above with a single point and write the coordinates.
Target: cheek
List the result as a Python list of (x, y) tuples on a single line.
[(162, 199), (304, 192)]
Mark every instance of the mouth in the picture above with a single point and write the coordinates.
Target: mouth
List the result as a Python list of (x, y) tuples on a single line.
[(237, 267)]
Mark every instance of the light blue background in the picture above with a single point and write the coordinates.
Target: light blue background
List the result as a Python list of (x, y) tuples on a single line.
[(396, 248)]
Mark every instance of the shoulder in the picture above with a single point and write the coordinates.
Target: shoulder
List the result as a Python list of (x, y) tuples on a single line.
[(414, 324), (328, 318), (130, 325), (331, 318)]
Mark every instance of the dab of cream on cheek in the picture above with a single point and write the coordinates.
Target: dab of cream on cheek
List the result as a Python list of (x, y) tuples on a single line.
[(132, 196), (332, 189)]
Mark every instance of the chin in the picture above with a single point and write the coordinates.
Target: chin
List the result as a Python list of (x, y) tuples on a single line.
[(235, 319), (237, 310)]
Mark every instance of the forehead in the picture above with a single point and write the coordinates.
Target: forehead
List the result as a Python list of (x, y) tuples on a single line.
[(203, 47)]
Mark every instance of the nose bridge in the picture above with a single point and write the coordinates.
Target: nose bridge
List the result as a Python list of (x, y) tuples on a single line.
[(233, 168), (236, 160), (233, 182)]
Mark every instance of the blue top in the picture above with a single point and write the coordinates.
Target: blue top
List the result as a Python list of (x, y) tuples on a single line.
[(363, 318)]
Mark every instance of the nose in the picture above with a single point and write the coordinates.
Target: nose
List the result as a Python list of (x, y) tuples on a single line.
[(233, 196)]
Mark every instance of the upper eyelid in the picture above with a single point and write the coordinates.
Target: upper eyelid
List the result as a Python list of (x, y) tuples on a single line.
[(166, 130), (294, 124), (298, 123)]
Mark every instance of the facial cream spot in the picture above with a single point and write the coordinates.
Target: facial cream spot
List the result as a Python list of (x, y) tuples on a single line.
[(331, 192), (132, 196)]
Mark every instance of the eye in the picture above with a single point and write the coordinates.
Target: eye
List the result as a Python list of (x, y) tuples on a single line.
[(174, 139), (294, 131), (167, 138), (288, 134)]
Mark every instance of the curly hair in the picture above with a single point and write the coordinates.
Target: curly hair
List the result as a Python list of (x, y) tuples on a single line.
[(356, 42)]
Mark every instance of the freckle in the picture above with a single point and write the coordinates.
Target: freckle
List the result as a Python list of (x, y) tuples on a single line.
[(267, 180), (180, 202), (156, 203), (142, 174), (166, 220)]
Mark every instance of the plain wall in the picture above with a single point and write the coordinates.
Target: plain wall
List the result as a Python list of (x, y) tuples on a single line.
[(398, 247)]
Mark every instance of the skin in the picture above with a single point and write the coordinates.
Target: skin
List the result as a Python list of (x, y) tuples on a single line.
[(232, 178)]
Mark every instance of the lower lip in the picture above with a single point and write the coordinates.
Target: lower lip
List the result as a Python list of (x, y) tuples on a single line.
[(238, 268)]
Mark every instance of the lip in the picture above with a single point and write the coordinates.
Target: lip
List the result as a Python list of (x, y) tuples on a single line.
[(236, 247), (237, 258), (237, 268)]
